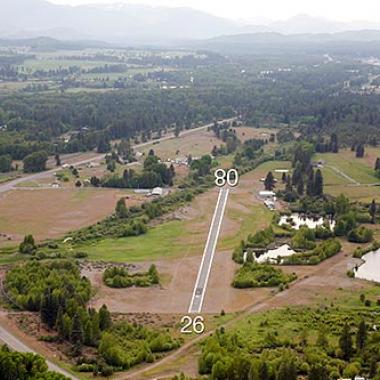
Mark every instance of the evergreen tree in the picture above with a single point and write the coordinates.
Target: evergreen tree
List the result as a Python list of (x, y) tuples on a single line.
[(105, 321), (77, 334), (361, 336), (310, 184), (28, 246), (372, 210), (377, 164), (318, 183), (300, 187), (49, 308), (57, 160), (269, 182), (345, 342), (121, 209), (334, 146), (87, 333), (360, 151)]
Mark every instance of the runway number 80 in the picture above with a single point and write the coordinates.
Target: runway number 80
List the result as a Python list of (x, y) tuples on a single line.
[(231, 177), (191, 325)]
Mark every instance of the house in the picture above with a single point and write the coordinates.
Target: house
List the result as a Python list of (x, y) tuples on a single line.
[(157, 191), (267, 195)]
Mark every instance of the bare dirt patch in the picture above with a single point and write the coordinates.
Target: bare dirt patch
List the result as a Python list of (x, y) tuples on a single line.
[(50, 213)]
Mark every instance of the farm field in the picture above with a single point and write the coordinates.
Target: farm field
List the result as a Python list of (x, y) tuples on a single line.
[(50, 213)]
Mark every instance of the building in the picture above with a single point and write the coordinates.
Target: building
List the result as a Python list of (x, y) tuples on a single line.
[(267, 195), (157, 191)]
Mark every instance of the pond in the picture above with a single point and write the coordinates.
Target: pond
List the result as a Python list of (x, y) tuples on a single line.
[(370, 270), (296, 221), (272, 254)]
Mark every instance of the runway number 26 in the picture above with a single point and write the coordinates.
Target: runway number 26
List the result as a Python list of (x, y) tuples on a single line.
[(191, 325), (231, 177)]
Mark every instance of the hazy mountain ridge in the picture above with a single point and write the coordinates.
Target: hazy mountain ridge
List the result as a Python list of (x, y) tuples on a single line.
[(131, 23)]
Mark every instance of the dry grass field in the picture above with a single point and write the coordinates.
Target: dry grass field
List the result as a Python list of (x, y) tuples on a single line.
[(50, 213)]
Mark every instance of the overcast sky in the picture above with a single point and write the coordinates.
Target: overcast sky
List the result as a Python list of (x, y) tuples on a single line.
[(342, 10)]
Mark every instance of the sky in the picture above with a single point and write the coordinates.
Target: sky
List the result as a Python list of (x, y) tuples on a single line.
[(259, 10)]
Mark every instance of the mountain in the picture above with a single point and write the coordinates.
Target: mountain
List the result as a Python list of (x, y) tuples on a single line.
[(351, 43), (128, 24), (117, 23)]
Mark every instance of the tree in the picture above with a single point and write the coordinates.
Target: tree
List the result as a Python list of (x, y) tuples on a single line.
[(360, 151), (300, 187), (310, 184), (361, 336), (35, 162), (269, 182), (177, 130), (57, 159), (372, 211), (334, 146), (318, 183), (105, 321), (121, 209), (377, 164), (28, 245), (153, 274), (5, 163), (345, 342), (49, 308)]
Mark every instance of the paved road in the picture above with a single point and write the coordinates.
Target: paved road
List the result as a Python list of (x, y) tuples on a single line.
[(208, 254), (11, 184), (17, 345)]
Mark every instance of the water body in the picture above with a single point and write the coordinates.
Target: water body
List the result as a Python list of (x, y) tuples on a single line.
[(272, 254), (298, 221), (370, 270)]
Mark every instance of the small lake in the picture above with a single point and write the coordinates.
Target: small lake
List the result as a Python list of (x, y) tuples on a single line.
[(272, 254), (370, 270), (296, 221)]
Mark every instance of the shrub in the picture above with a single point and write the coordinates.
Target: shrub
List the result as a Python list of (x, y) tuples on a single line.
[(253, 275), (360, 235)]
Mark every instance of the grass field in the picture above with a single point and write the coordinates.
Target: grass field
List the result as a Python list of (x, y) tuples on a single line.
[(359, 169), (187, 236), (160, 242)]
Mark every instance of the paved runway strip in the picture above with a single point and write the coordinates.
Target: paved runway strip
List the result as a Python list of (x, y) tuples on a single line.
[(208, 254)]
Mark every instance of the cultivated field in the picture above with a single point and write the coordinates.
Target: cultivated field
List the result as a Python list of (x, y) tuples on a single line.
[(50, 213)]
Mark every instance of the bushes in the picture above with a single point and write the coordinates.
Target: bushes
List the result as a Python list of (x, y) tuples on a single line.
[(321, 252), (304, 238), (126, 345), (261, 239), (28, 246), (252, 275), (360, 235), (117, 277)]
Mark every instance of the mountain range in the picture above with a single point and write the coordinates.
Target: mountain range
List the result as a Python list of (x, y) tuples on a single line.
[(131, 23)]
